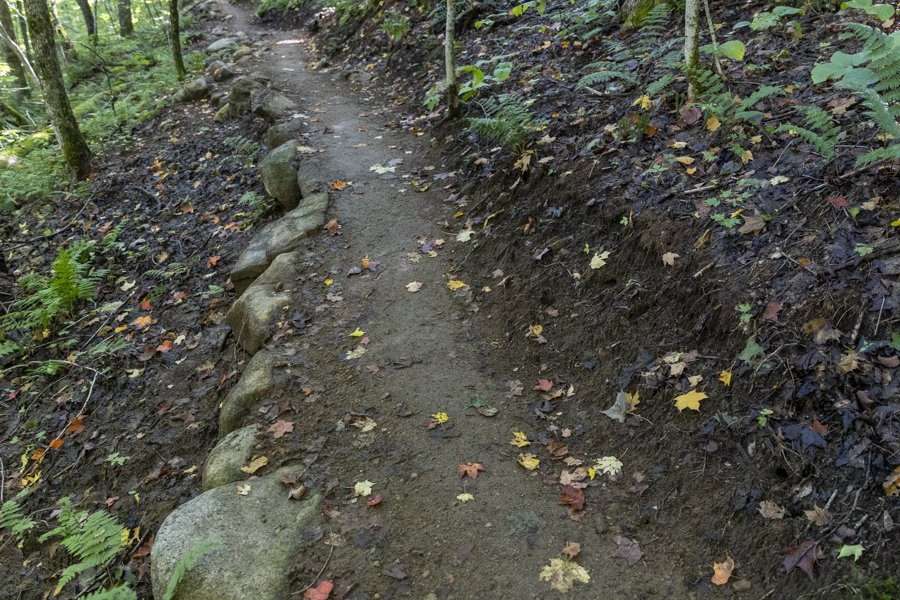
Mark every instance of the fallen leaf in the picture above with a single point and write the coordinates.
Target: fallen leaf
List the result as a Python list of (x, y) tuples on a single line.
[(713, 124), (891, 485), (669, 258), (414, 286), (529, 461), (338, 185), (544, 385), (470, 470), (520, 440), (363, 488), (357, 333), (456, 284), (818, 515), (440, 417), (212, 261), (854, 551), (465, 235), (572, 496), (619, 409), (803, 557), (333, 227), (690, 400), (243, 490), (562, 574), (722, 571), (142, 322), (685, 160), (76, 426), (465, 497), (771, 510), (375, 501), (725, 378), (599, 259), (627, 549), (280, 427), (320, 592), (56, 443), (571, 550), (255, 465)]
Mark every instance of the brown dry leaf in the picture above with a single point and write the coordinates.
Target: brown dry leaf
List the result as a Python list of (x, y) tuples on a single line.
[(892, 483), (771, 510), (281, 427), (338, 185), (572, 497), (803, 557), (544, 385), (76, 426), (333, 227), (212, 261), (571, 550), (470, 470), (255, 465), (142, 322), (722, 571), (56, 443), (818, 515), (752, 224)]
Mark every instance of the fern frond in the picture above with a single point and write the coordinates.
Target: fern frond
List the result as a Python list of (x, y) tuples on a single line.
[(821, 131), (14, 520), (604, 76), (120, 592), (891, 152), (508, 121), (185, 564)]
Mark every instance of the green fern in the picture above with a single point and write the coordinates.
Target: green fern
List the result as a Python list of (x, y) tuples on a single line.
[(508, 122), (94, 540), (185, 564), (71, 281), (9, 348), (821, 131), (13, 519), (745, 110), (120, 592)]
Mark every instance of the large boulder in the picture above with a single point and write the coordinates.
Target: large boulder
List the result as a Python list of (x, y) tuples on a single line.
[(256, 531), (275, 107), (223, 465), (278, 237), (279, 175), (254, 315), (257, 381), (193, 90), (286, 131)]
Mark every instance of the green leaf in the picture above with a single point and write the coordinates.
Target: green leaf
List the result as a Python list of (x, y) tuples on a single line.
[(864, 249), (855, 551), (841, 63), (733, 49), (502, 71), (895, 340), (751, 350)]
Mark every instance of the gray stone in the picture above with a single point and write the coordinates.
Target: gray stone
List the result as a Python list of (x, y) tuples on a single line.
[(308, 178), (254, 314), (223, 465), (279, 175), (219, 71), (257, 534), (242, 52), (286, 131), (193, 90), (221, 44), (278, 237), (274, 107), (256, 382)]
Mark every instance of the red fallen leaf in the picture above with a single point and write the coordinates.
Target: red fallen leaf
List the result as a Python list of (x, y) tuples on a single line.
[(803, 557), (56, 443), (145, 304), (838, 202), (76, 426), (165, 346), (469, 470), (819, 427), (544, 385), (281, 427), (375, 500), (212, 261), (771, 312), (144, 549), (572, 496), (319, 592)]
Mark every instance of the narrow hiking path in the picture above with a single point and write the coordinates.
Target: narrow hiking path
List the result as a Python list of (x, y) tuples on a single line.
[(419, 356)]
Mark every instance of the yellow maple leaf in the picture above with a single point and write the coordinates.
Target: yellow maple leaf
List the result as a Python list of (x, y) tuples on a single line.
[(357, 332), (520, 440), (690, 400), (746, 156), (255, 465), (644, 102), (725, 378), (329, 282), (713, 123), (529, 461), (456, 284), (440, 417), (632, 400), (685, 160), (535, 330)]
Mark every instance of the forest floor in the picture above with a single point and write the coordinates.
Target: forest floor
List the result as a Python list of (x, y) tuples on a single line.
[(423, 361)]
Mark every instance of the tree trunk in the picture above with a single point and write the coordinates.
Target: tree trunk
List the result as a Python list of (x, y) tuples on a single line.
[(88, 14), (74, 148), (175, 33), (11, 49), (691, 43), (126, 24), (450, 61), (23, 27)]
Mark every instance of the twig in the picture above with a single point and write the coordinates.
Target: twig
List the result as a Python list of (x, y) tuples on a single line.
[(319, 574), (2, 479), (17, 243), (712, 35)]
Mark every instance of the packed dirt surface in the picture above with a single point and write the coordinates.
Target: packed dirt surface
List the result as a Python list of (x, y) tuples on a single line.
[(422, 357)]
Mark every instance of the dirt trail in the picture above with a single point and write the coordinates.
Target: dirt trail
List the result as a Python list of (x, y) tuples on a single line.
[(423, 357)]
